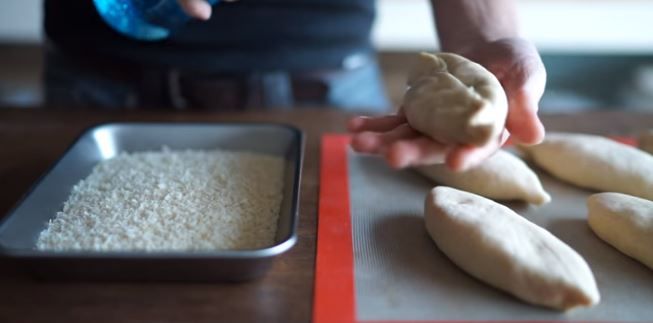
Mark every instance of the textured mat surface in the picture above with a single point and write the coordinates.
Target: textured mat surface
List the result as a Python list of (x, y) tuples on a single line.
[(399, 273)]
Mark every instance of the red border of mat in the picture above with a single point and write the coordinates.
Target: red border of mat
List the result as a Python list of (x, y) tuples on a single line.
[(334, 293), (334, 299)]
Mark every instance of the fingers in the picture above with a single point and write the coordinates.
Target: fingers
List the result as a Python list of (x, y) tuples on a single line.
[(391, 135), (375, 143), (198, 9), (463, 158), (375, 124), (405, 147), (415, 151), (524, 86)]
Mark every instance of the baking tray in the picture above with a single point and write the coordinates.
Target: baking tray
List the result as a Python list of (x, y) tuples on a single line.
[(21, 227)]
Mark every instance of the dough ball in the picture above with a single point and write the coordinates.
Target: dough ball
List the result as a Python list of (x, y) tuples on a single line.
[(455, 101)]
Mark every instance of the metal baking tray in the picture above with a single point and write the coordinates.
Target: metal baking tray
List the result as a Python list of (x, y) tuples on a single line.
[(21, 227)]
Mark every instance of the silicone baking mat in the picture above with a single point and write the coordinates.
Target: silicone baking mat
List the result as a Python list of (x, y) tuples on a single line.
[(376, 263)]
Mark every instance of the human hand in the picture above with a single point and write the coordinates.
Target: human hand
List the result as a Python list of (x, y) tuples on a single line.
[(518, 67), (198, 9), (402, 146)]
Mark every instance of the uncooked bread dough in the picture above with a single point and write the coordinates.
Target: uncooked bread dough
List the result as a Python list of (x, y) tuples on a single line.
[(496, 245), (625, 222), (595, 162), (646, 141), (503, 176), (455, 101)]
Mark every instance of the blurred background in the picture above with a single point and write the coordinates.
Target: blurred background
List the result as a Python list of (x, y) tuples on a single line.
[(598, 54)]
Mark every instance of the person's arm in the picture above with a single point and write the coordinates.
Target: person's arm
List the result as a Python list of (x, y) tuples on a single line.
[(461, 23)]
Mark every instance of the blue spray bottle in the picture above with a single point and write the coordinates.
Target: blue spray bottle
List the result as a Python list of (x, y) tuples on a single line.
[(143, 19)]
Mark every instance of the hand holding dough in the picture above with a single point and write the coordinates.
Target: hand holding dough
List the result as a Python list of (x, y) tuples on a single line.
[(501, 248), (595, 162), (625, 222), (503, 176), (646, 141), (455, 101)]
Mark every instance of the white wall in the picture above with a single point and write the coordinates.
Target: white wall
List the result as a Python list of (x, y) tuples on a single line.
[(20, 21), (622, 26)]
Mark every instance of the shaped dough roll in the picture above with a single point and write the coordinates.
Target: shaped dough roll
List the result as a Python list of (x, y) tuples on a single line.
[(503, 176), (595, 162), (625, 222), (646, 141), (498, 246), (455, 101)]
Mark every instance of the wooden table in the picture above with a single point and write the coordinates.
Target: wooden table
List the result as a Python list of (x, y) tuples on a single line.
[(31, 140)]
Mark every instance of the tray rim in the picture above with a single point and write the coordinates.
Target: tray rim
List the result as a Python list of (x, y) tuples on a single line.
[(266, 252)]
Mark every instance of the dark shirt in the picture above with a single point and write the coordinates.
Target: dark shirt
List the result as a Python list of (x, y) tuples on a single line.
[(245, 35)]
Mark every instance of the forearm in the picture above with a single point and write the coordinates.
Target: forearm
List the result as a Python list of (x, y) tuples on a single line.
[(460, 23)]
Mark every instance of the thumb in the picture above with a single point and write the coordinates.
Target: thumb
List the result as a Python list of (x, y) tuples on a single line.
[(523, 123)]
